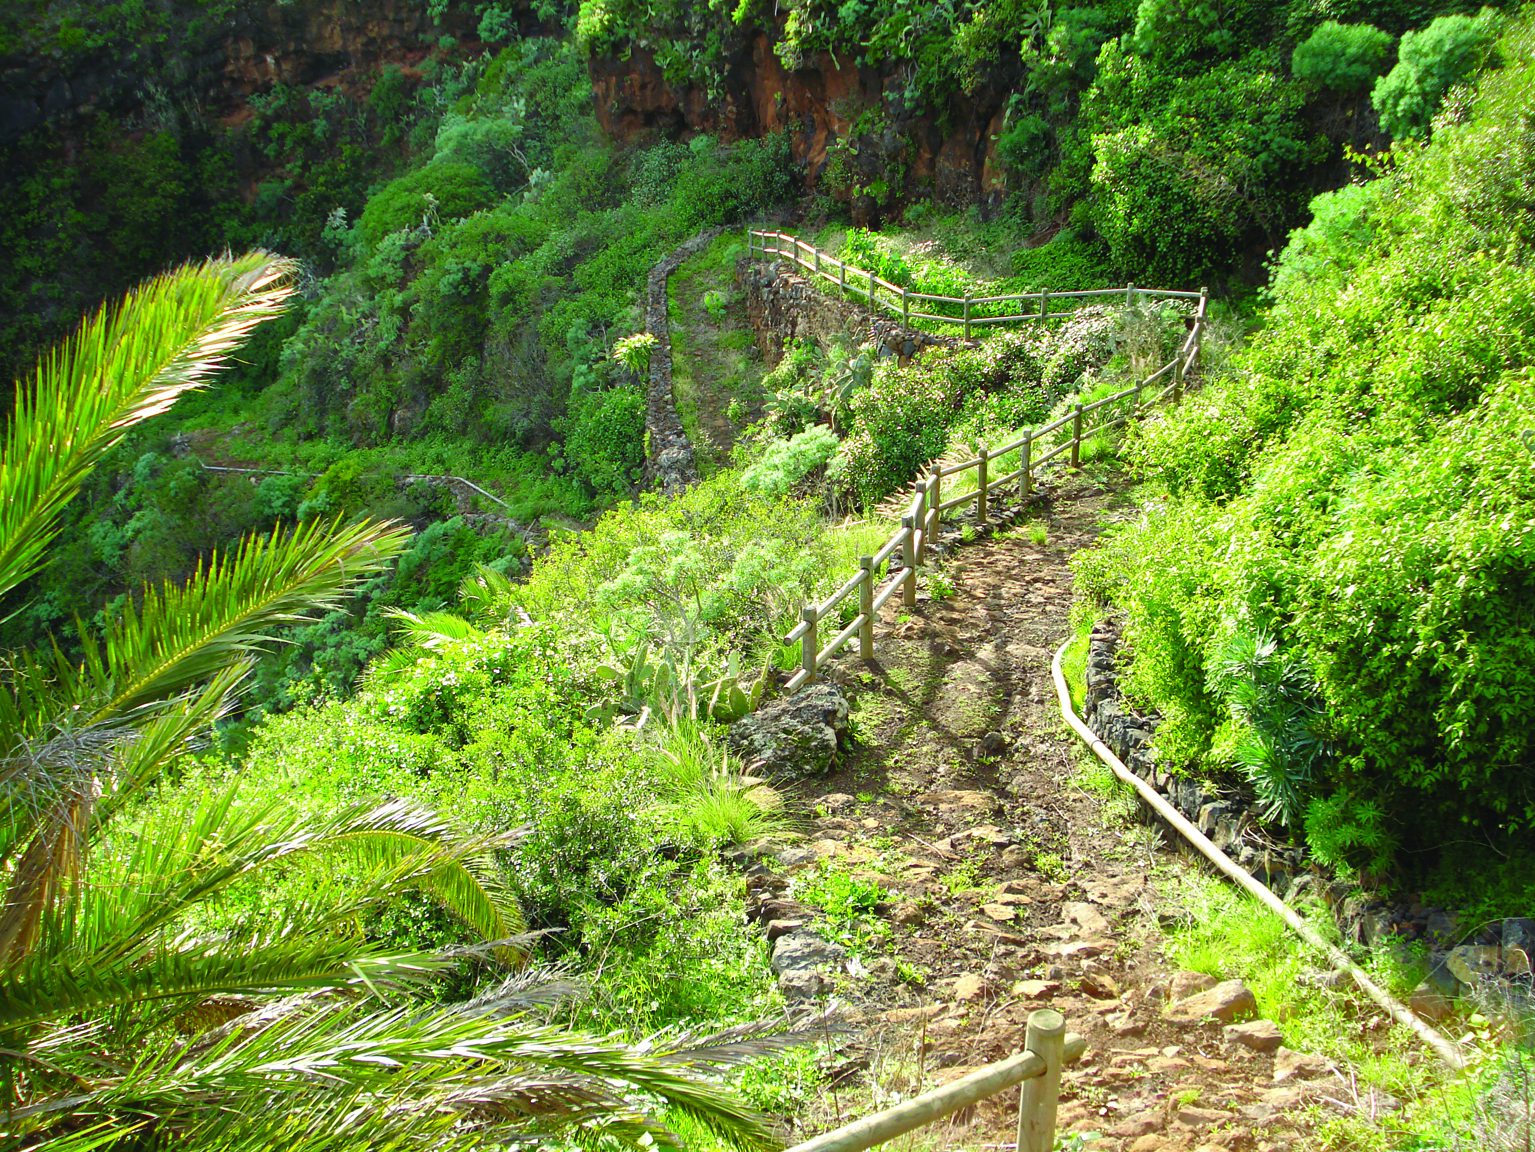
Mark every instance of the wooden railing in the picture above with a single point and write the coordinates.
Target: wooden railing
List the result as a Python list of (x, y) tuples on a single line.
[(921, 521), (1038, 1068), (974, 311)]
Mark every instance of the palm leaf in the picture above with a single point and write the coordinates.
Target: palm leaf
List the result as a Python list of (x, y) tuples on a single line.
[(430, 630), (123, 365), (180, 635), (385, 1073)]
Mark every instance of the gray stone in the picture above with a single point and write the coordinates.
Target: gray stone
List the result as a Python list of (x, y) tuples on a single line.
[(803, 984), (1519, 933), (800, 959), (794, 737), (804, 949), (795, 857), (1441, 929)]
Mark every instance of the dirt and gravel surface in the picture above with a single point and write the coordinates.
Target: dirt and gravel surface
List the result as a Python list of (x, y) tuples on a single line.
[(1009, 887)]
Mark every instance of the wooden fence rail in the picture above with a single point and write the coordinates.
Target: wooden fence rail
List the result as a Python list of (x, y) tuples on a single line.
[(880, 293), (1038, 1068), (920, 523)]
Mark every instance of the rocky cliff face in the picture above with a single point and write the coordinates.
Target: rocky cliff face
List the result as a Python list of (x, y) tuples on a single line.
[(843, 122), (217, 65)]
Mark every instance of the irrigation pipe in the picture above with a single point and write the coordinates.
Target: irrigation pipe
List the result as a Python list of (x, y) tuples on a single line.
[(1398, 1011)]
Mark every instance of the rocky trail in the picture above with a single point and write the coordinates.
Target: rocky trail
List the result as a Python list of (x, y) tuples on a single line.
[(952, 878)]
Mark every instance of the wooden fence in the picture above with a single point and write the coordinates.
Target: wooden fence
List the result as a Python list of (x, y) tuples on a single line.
[(1047, 1047), (921, 521), (974, 311)]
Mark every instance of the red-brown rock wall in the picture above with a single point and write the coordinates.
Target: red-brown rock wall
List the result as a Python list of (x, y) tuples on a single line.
[(951, 158)]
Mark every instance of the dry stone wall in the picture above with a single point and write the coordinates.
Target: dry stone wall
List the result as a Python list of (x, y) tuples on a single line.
[(669, 460), (782, 305)]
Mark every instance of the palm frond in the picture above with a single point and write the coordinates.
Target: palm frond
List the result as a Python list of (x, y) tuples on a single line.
[(540, 987), (53, 800), (197, 849), (741, 1042), (384, 1073), (126, 363), (180, 635), (430, 630), (486, 594)]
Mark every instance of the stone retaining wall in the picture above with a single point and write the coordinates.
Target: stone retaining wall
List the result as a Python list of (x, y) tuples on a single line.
[(782, 305), (669, 463)]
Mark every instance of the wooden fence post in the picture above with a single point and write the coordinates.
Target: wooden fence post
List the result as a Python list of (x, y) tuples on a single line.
[(866, 609), (967, 315), (934, 513), (1178, 377), (1130, 295), (908, 548), (842, 275), (1026, 481), (905, 308), (871, 291), (1044, 304), (1037, 1100), (809, 645), (1076, 437), (980, 499), (1199, 325), (817, 263)]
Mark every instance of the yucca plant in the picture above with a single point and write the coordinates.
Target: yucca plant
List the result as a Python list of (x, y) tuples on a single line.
[(132, 1010)]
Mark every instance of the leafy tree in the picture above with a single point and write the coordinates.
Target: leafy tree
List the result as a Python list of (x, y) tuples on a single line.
[(1347, 57), (1432, 61), (121, 1016)]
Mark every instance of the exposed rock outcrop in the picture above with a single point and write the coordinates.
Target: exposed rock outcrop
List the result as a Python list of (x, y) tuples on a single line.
[(949, 156), (214, 65), (795, 736)]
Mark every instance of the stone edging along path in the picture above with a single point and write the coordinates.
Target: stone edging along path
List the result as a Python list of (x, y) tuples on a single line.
[(1487, 958), (669, 463)]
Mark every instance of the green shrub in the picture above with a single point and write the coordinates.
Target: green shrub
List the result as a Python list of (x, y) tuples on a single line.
[(1345, 57), (443, 191), (902, 420), (786, 462), (1360, 488), (1188, 170), (605, 436), (1431, 62)]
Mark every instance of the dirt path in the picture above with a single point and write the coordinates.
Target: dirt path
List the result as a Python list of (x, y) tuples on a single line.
[(1009, 888)]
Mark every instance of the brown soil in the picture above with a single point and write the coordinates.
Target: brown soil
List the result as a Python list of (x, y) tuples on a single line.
[(1010, 888)]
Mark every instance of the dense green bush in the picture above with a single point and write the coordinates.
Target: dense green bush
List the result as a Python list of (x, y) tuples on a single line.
[(1346, 57), (1361, 489), (1431, 62), (714, 571), (902, 420), (1189, 170)]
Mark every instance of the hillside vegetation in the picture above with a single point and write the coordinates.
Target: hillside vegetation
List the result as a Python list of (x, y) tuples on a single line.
[(485, 756), (1345, 519)]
